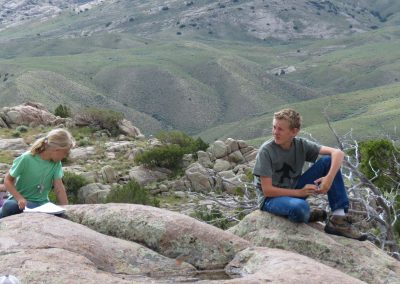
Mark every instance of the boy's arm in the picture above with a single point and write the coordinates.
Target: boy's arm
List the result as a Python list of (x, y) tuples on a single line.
[(337, 157), (61, 194), (270, 190)]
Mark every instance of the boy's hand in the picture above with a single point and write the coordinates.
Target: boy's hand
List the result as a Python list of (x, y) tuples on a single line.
[(322, 186), (307, 190)]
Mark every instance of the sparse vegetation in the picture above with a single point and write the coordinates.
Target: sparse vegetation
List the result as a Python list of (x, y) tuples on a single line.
[(73, 183), (132, 192), (62, 111), (211, 215), (176, 144), (104, 119)]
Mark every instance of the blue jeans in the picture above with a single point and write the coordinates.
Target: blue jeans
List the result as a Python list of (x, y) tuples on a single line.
[(297, 209), (10, 207)]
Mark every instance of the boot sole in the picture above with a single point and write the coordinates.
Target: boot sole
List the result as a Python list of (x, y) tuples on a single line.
[(336, 233)]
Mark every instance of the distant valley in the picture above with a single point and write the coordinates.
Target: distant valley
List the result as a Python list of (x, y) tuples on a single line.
[(213, 69)]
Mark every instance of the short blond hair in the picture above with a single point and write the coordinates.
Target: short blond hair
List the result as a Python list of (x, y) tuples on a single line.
[(290, 115), (58, 138)]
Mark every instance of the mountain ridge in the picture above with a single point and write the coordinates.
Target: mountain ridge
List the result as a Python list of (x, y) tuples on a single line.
[(196, 66)]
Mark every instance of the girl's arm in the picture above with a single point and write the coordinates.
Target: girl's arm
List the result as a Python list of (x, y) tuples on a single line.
[(61, 194), (9, 184)]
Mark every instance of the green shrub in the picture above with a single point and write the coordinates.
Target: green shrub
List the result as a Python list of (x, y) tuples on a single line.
[(22, 128), (183, 140), (381, 155), (170, 155), (73, 183), (85, 141), (62, 111), (132, 192), (16, 134), (105, 119)]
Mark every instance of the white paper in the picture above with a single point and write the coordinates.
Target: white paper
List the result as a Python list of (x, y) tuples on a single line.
[(49, 208)]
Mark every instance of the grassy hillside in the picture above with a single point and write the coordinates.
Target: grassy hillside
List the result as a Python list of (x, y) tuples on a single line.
[(367, 114), (210, 68)]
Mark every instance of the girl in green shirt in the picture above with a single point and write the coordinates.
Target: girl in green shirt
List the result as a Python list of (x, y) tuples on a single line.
[(35, 173)]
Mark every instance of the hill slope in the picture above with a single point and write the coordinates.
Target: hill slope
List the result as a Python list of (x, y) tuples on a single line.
[(198, 65)]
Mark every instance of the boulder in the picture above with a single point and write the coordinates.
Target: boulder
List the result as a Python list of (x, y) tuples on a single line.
[(251, 155), (236, 157), (108, 174), (362, 260), (232, 145), (93, 193), (204, 159), (222, 165), (13, 144), (82, 153), (266, 265), (171, 234), (201, 179), (41, 248), (127, 128), (119, 146), (218, 149), (144, 176), (32, 114)]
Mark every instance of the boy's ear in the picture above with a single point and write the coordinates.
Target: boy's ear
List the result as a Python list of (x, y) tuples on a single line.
[(295, 131)]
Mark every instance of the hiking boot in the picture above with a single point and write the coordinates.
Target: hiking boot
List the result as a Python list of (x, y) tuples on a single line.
[(342, 226), (317, 215)]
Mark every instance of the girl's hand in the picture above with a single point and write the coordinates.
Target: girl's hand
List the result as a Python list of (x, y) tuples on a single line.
[(21, 203)]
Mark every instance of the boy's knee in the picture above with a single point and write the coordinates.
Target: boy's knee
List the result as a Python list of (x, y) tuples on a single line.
[(300, 213)]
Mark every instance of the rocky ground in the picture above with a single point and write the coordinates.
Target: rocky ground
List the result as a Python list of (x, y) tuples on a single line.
[(127, 243)]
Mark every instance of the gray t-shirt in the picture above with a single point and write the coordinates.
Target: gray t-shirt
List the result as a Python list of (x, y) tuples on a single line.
[(283, 166)]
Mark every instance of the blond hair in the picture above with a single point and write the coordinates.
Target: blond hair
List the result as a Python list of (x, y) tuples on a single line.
[(58, 138), (290, 115)]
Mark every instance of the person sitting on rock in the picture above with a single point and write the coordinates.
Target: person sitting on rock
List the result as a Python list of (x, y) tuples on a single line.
[(36, 172), (282, 187)]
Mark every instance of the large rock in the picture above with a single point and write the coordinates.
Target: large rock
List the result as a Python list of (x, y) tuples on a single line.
[(13, 144), (218, 149), (93, 193), (127, 128), (40, 248), (362, 260), (222, 165), (201, 179), (144, 176), (108, 174), (32, 114), (171, 234), (82, 153), (266, 265), (204, 159)]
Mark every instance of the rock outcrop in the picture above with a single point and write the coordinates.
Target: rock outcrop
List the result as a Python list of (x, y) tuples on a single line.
[(362, 260), (40, 248), (30, 114), (171, 234), (222, 166)]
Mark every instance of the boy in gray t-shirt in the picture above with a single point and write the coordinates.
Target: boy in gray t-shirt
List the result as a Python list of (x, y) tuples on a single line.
[(281, 186)]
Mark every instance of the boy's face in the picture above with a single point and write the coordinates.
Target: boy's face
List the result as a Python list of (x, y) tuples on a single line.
[(283, 134)]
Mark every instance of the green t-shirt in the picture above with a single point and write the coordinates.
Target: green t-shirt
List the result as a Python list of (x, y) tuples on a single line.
[(283, 166), (35, 176)]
